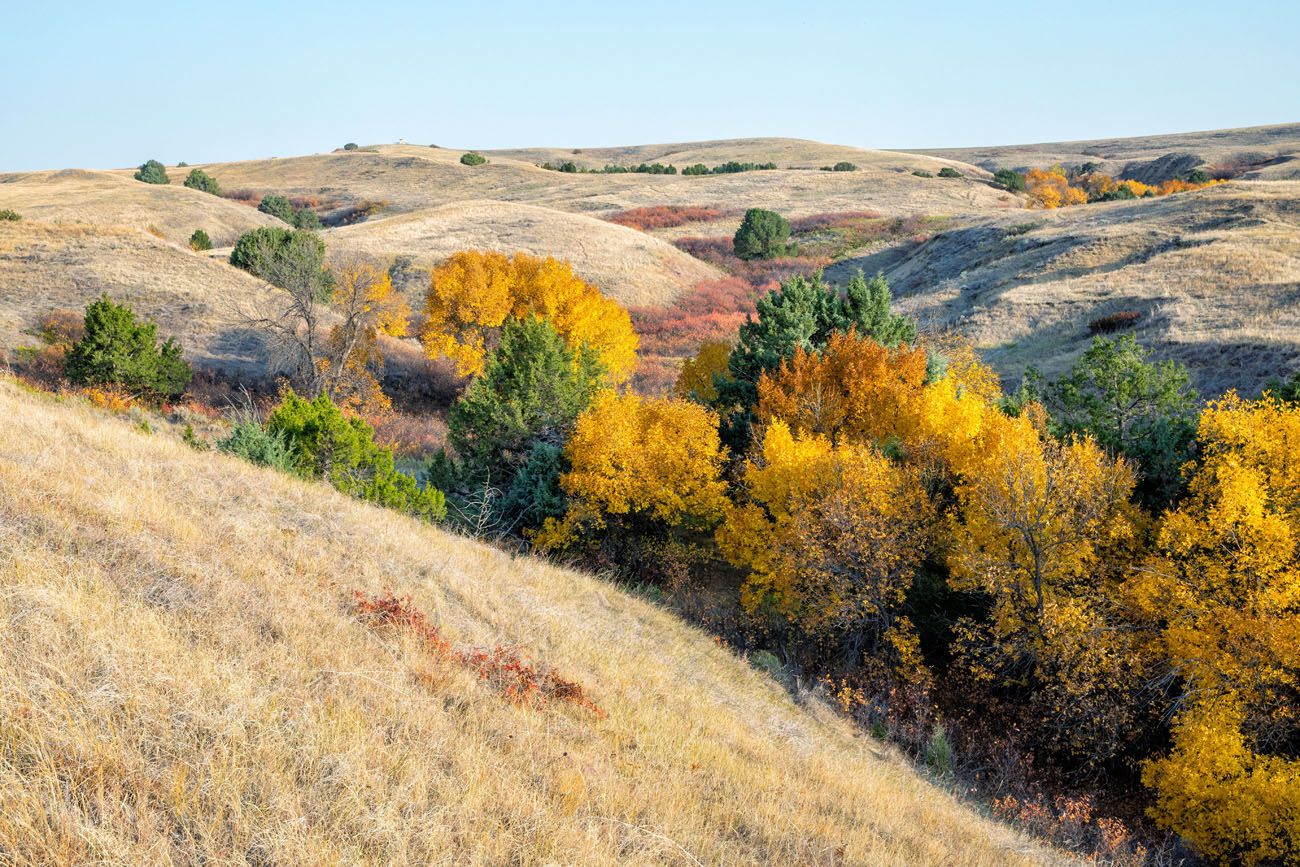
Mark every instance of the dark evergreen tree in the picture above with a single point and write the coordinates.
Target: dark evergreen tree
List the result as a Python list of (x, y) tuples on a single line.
[(119, 351)]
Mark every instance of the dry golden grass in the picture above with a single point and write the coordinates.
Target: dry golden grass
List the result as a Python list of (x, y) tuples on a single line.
[(170, 211), (182, 681), (411, 178), (1281, 142), (630, 266), (194, 298), (1215, 273)]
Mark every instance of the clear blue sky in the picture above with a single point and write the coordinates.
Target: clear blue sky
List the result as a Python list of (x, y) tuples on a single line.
[(104, 84)]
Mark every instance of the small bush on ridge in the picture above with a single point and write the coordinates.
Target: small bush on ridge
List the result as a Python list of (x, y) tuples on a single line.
[(472, 159), (152, 172), (200, 241)]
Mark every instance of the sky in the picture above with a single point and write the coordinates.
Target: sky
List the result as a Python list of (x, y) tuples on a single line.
[(104, 84)]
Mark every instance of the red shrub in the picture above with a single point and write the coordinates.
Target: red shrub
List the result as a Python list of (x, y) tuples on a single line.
[(666, 216), (518, 678), (244, 197), (1113, 322)]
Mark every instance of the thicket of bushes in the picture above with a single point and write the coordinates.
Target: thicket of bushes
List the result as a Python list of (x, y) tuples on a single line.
[(281, 208), (7, 215), (203, 182), (152, 172), (472, 159)]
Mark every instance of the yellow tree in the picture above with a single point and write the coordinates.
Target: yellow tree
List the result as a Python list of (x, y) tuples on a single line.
[(648, 466), (698, 378), (368, 307), (473, 293), (1225, 596), (831, 538)]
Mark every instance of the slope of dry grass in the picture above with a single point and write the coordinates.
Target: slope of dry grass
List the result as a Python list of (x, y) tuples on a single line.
[(628, 265), (410, 178), (1214, 273), (182, 680), (1276, 149), (170, 211), (194, 298)]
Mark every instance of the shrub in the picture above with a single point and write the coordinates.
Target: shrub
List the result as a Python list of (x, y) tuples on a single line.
[(922, 173), (938, 752), (665, 216), (841, 166), (1009, 179), (1200, 177), (1116, 321), (254, 443), (8, 215), (288, 258), (328, 445), (568, 167), (306, 218), (118, 351), (200, 241), (472, 159), (153, 172), (203, 182), (697, 169), (762, 235), (950, 172), (278, 207), (351, 146)]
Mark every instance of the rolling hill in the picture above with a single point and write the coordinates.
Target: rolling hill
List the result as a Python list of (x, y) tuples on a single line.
[(1214, 273), (1259, 153), (183, 680), (630, 266)]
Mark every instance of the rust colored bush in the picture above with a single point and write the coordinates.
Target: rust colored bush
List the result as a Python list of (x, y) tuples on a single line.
[(666, 216), (519, 679), (1113, 322)]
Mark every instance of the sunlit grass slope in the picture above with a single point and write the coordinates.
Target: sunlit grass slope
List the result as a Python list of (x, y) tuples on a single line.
[(183, 680)]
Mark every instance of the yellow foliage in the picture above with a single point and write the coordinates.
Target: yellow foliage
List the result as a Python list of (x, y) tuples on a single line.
[(832, 536), (696, 380), (368, 307), (473, 293), (1226, 588), (655, 459)]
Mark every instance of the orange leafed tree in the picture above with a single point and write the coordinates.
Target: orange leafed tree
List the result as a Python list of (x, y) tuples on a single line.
[(698, 378), (368, 308), (473, 293)]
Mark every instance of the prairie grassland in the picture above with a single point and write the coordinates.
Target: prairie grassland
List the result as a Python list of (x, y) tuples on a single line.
[(629, 266), (1215, 274), (171, 212), (1278, 144), (182, 680), (194, 298), (412, 178)]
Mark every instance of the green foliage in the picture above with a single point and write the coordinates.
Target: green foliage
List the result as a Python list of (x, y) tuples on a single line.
[(254, 443), (7, 215), (535, 494), (1132, 406), (351, 146), (1009, 179), (1199, 176), (841, 166), (530, 392), (939, 752), (922, 173), (202, 181), (762, 235), (200, 241), (950, 172), (289, 258), (697, 169), (1286, 390), (472, 159), (278, 207), (328, 445), (568, 167), (153, 172), (802, 314), (119, 351), (306, 218)]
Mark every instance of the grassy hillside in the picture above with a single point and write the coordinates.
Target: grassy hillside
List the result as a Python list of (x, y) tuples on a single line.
[(1214, 274), (171, 211), (182, 679), (409, 177), (1263, 152), (628, 265), (194, 298)]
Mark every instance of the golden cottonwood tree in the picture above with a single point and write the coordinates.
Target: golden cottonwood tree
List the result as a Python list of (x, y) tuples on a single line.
[(698, 378), (473, 293), (368, 307), (831, 537), (1225, 594), (650, 464)]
